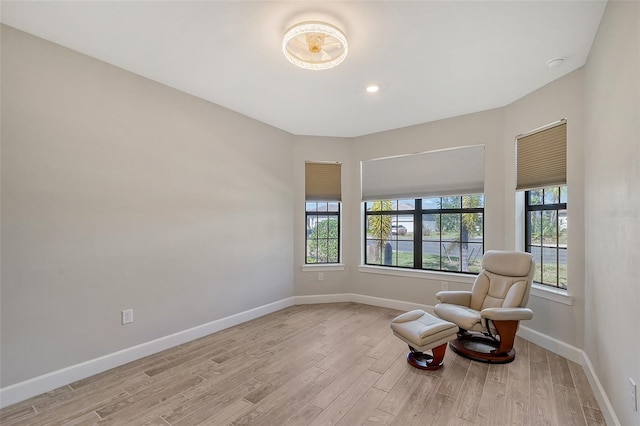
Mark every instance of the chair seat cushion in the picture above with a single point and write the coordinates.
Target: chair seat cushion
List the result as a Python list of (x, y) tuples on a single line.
[(422, 330), (466, 318)]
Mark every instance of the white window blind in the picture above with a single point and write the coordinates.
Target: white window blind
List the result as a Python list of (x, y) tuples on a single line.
[(455, 171), (323, 181), (541, 157)]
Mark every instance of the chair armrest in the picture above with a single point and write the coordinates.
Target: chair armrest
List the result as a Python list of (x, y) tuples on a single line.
[(507, 314), (462, 298)]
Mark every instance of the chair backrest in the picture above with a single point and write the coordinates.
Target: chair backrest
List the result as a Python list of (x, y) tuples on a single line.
[(505, 280)]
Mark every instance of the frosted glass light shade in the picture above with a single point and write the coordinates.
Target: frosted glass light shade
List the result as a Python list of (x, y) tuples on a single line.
[(314, 45)]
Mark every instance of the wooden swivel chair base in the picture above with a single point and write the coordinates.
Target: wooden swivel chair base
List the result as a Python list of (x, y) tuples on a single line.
[(482, 348)]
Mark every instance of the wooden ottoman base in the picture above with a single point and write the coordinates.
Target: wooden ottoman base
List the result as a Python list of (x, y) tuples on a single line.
[(424, 361)]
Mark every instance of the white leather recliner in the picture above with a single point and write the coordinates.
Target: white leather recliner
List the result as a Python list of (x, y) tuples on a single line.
[(488, 316)]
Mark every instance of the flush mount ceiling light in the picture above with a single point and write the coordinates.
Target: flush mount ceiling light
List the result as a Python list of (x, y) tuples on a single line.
[(314, 45)]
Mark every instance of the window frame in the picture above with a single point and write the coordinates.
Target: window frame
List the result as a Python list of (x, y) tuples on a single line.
[(542, 207), (338, 215), (417, 214)]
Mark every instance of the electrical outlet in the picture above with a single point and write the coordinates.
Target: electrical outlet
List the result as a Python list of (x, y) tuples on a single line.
[(445, 285), (320, 276), (633, 394), (127, 316)]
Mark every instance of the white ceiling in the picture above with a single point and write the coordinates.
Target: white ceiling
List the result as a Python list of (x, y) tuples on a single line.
[(432, 59)]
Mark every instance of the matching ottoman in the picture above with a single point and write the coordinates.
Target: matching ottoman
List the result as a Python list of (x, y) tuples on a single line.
[(422, 332)]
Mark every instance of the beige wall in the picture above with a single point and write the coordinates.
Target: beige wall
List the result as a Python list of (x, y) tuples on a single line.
[(118, 192), (560, 99), (612, 204)]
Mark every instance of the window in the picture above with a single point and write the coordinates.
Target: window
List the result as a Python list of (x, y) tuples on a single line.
[(546, 234), (322, 212), (323, 232), (435, 233)]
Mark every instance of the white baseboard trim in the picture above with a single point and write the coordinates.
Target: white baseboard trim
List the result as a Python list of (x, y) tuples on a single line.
[(360, 298), (322, 298), (37, 385), (551, 344), (24, 390), (390, 303)]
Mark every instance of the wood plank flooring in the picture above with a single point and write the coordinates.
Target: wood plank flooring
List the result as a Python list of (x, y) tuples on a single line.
[(329, 364)]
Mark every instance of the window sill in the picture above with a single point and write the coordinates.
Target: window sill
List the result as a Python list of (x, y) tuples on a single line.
[(416, 273), (323, 267), (555, 295)]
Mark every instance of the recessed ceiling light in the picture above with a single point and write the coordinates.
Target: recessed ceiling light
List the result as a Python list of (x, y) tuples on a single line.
[(372, 88), (554, 63)]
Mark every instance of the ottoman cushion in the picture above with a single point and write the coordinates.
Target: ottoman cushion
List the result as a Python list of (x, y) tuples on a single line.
[(423, 331)]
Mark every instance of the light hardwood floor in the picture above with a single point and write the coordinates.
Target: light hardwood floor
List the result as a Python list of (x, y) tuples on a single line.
[(318, 365)]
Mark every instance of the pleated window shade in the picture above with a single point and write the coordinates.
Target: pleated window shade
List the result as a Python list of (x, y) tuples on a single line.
[(541, 158), (323, 181), (455, 171)]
